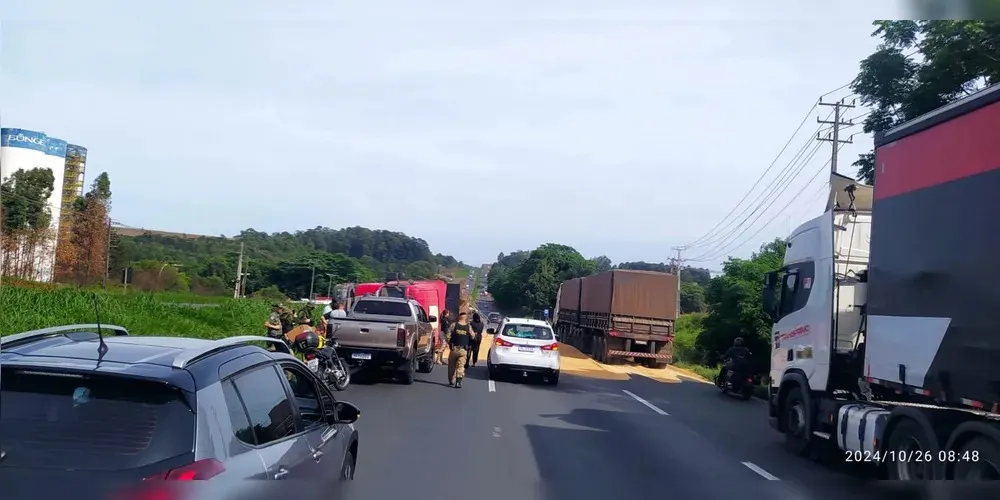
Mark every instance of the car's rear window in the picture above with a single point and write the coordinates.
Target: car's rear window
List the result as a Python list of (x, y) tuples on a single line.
[(90, 422), (384, 308), (530, 332)]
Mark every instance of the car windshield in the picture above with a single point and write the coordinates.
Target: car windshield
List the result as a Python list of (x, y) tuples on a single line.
[(530, 332), (90, 422), (382, 308), (494, 317)]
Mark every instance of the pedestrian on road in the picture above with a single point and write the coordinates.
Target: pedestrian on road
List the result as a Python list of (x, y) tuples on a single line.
[(459, 339), (445, 322), (477, 338)]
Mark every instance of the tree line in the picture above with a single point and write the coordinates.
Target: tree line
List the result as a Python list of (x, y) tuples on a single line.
[(917, 67), (289, 264), (75, 253)]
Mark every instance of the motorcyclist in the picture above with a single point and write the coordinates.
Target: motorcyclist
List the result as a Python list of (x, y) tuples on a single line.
[(737, 354)]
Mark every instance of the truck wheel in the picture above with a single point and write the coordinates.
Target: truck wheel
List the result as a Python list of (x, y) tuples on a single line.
[(978, 460), (409, 372), (907, 440), (426, 364), (796, 422)]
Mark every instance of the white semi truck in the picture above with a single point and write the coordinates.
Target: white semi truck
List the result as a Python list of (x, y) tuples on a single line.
[(886, 336)]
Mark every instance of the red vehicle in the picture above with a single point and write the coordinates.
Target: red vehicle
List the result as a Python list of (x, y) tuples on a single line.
[(430, 294)]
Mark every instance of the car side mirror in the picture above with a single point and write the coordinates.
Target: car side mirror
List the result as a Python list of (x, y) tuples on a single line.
[(491, 331), (431, 319), (344, 413)]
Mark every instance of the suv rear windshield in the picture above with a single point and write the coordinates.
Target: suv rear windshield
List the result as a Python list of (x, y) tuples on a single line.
[(382, 307), (90, 422), (530, 332)]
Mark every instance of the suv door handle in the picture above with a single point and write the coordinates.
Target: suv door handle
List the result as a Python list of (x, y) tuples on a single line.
[(282, 472), (317, 455)]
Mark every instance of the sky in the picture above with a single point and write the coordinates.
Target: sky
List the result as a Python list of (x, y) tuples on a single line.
[(621, 128)]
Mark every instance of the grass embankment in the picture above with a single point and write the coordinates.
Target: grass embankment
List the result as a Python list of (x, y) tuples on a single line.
[(29, 308)]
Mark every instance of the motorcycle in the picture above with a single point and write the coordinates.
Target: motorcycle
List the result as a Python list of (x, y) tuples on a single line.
[(736, 381), (325, 362), (329, 366)]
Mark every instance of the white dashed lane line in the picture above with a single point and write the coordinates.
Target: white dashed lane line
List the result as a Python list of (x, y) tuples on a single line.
[(761, 472), (649, 405), (492, 385)]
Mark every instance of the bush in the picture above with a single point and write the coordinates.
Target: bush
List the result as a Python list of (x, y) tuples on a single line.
[(688, 328), (29, 308)]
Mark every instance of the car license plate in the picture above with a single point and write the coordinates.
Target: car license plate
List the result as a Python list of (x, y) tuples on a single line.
[(313, 365), (361, 355), (526, 349)]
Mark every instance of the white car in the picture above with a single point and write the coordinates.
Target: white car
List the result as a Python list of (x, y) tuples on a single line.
[(521, 347)]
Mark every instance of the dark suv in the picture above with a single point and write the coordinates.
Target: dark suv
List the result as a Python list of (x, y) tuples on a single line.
[(76, 405)]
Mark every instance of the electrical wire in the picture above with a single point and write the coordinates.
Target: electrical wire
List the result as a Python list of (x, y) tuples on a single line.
[(772, 187), (770, 199), (759, 179), (713, 236)]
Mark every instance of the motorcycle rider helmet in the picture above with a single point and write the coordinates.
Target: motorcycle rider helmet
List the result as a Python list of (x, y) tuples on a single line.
[(306, 340), (738, 341)]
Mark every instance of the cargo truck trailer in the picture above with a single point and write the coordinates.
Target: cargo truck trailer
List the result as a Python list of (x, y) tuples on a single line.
[(619, 315), (886, 335)]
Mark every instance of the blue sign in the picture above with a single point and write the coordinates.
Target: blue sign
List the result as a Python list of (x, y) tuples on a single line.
[(55, 147), (20, 138), (80, 152), (546, 313)]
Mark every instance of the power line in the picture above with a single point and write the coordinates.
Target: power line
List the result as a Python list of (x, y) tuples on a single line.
[(773, 163), (721, 235), (770, 199)]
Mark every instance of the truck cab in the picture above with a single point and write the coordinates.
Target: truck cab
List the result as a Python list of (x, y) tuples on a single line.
[(817, 298)]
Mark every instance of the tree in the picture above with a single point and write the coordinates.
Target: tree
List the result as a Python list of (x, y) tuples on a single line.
[(735, 304), (83, 243), (25, 220), (692, 297), (958, 58), (601, 264), (532, 283)]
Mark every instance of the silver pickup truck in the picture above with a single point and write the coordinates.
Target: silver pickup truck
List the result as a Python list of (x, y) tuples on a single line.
[(386, 332)]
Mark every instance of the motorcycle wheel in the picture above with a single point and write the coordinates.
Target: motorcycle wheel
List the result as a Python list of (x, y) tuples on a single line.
[(341, 380)]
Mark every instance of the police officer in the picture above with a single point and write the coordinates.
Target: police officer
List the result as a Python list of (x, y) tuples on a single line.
[(304, 316), (273, 324), (286, 318), (445, 322), (459, 339)]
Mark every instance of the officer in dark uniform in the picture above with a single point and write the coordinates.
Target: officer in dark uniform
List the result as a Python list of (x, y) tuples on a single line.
[(459, 339)]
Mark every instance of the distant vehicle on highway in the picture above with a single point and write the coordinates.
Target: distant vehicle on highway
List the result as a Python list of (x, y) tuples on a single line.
[(524, 347), (117, 409), (387, 332)]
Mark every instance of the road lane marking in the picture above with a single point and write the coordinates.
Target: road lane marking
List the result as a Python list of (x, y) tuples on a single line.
[(496, 432), (649, 405), (761, 472), (492, 385)]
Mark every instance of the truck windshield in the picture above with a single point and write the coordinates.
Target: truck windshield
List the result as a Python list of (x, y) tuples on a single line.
[(382, 308)]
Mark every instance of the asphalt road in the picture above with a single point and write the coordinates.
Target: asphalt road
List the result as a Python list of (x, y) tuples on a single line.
[(584, 439)]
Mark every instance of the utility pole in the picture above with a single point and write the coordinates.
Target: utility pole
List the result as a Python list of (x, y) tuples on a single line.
[(239, 273), (312, 282), (834, 137), (676, 261), (107, 256), (329, 284)]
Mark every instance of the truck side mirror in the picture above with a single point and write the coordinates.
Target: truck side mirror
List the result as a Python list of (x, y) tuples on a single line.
[(770, 304), (431, 319)]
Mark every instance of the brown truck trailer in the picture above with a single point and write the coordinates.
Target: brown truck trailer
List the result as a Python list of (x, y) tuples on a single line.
[(620, 314)]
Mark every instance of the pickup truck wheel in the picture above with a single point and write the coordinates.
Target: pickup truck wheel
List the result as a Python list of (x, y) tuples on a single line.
[(426, 364), (409, 371)]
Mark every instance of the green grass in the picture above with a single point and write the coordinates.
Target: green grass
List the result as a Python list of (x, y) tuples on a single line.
[(28, 308)]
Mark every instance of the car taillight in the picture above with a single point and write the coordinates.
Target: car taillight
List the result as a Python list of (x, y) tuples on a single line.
[(551, 347), (750, 379), (400, 337), (202, 469), (502, 343)]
